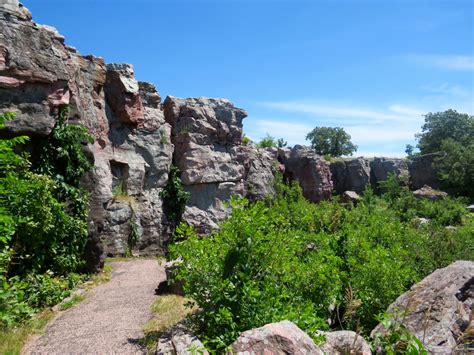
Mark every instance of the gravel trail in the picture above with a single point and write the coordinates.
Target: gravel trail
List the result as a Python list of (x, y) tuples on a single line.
[(110, 319)]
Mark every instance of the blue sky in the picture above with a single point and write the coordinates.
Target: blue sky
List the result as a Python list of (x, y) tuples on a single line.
[(373, 67)]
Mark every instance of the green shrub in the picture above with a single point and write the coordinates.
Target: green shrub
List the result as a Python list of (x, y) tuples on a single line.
[(43, 227), (286, 258), (258, 269), (174, 197)]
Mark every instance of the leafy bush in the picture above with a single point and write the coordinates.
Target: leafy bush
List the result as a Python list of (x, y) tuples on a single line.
[(319, 265), (173, 195), (396, 339), (268, 142), (43, 227)]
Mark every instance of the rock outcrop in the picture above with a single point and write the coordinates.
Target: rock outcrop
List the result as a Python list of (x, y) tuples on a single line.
[(381, 168), (276, 338), (350, 175), (438, 309), (138, 138), (214, 165), (312, 172), (423, 173), (357, 174)]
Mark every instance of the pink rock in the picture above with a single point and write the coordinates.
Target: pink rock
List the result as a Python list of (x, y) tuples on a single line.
[(274, 339), (8, 82), (122, 93), (60, 95)]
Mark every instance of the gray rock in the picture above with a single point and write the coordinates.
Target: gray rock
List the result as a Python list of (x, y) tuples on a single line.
[(180, 341), (302, 164), (437, 310), (207, 135), (345, 342), (470, 208), (423, 173), (168, 286), (350, 196), (426, 192), (352, 175), (381, 168), (276, 338)]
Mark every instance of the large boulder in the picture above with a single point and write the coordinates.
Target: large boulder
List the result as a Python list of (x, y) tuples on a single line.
[(381, 168), (214, 165), (303, 165), (437, 310), (345, 342), (422, 172), (428, 193), (352, 175), (276, 338)]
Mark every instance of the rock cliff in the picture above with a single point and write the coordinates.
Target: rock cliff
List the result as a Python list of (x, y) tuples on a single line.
[(137, 138)]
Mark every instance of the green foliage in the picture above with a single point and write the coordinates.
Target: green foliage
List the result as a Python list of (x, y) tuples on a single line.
[(397, 339), (268, 142), (133, 234), (451, 133), (61, 154), (286, 258), (409, 150), (174, 197), (456, 166), (43, 226), (440, 126), (332, 141), (246, 140)]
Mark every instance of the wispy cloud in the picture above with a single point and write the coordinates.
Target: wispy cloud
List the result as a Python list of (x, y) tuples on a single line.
[(447, 62), (448, 89), (394, 113), (294, 133)]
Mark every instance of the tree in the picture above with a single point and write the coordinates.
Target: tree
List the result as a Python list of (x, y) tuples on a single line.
[(445, 125), (268, 141), (409, 150), (456, 167), (332, 141), (452, 134)]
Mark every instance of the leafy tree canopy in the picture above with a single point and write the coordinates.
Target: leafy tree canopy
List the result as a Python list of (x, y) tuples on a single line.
[(439, 126), (332, 141)]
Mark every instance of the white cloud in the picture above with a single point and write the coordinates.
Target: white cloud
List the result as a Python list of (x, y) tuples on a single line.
[(447, 62), (447, 89), (294, 133), (368, 134), (394, 113)]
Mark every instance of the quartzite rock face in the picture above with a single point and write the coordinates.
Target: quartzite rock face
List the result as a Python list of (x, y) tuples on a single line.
[(381, 168), (352, 175), (207, 135), (423, 173), (309, 169), (132, 151), (438, 309), (276, 338), (137, 138)]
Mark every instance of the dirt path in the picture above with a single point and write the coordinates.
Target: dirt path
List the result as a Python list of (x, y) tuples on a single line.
[(110, 319)]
